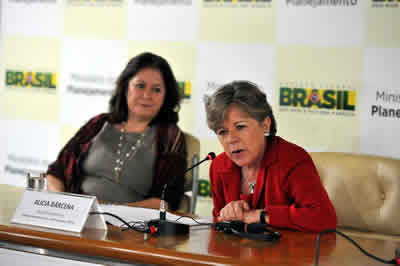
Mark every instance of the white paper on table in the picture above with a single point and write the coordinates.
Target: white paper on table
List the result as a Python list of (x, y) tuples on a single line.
[(136, 214)]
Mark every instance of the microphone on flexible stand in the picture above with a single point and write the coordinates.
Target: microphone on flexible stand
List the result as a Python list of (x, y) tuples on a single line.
[(164, 227), (210, 156), (162, 204)]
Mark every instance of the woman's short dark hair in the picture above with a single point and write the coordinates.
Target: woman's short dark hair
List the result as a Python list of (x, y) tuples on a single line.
[(169, 110), (244, 94)]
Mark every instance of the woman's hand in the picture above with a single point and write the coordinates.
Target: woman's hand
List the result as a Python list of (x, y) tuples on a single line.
[(240, 210), (253, 216), (54, 184), (234, 210)]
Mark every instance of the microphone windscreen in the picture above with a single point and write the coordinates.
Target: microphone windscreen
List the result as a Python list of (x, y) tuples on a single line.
[(256, 228), (211, 156)]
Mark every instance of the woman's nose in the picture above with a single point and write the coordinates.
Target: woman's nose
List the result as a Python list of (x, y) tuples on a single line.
[(232, 137), (147, 93)]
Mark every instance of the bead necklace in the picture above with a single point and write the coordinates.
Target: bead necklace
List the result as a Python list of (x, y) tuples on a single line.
[(121, 159)]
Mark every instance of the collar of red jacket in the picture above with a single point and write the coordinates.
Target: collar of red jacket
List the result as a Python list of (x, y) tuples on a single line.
[(270, 155)]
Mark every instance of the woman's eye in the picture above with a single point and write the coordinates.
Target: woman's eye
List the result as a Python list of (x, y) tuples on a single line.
[(221, 132), (140, 85), (157, 89), (241, 126)]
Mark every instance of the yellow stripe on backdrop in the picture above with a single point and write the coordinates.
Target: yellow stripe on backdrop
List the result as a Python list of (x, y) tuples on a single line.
[(240, 21), (383, 27), (97, 20), (316, 96), (28, 93)]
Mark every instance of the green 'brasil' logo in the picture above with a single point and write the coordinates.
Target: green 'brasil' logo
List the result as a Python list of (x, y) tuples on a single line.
[(204, 188), (185, 89), (31, 79), (317, 98)]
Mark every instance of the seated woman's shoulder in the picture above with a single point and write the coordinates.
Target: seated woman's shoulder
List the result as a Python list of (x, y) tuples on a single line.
[(98, 117), (290, 150), (101, 115), (222, 160)]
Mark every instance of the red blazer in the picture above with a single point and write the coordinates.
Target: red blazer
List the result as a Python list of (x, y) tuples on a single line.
[(288, 187)]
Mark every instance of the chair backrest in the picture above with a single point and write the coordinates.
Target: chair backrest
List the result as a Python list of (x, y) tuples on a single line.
[(364, 189), (193, 151), (191, 177)]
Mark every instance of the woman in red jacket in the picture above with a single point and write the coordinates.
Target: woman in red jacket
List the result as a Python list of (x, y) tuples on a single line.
[(261, 177)]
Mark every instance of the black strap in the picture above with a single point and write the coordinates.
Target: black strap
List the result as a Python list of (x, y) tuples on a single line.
[(256, 231), (268, 235)]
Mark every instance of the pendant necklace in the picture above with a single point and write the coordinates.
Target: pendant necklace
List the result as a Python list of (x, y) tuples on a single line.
[(251, 186), (123, 158)]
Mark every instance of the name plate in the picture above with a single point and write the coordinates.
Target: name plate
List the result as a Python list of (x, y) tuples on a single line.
[(63, 211)]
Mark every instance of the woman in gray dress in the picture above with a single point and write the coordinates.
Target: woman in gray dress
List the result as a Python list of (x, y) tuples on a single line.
[(130, 153)]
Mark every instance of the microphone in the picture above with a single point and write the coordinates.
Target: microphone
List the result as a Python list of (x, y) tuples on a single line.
[(164, 227), (162, 204), (256, 231), (256, 228), (210, 156)]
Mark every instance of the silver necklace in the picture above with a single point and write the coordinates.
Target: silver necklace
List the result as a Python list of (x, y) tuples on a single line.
[(123, 158), (251, 186)]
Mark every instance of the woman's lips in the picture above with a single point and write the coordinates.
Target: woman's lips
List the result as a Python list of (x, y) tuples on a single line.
[(237, 153)]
